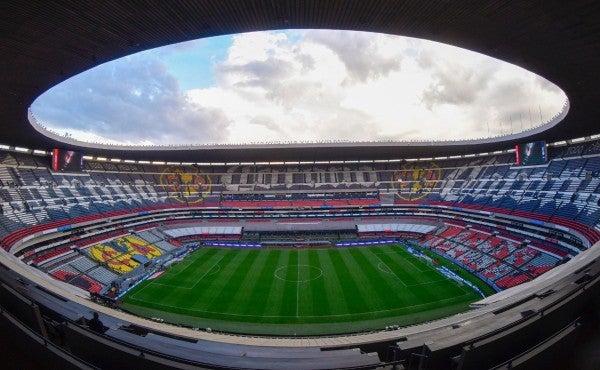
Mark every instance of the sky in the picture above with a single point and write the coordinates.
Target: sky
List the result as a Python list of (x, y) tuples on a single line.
[(298, 85)]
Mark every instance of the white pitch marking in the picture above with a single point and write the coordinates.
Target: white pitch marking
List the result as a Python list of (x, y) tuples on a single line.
[(305, 316), (198, 281), (388, 267), (207, 271)]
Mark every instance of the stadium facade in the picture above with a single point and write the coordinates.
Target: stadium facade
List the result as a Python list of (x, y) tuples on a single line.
[(530, 232)]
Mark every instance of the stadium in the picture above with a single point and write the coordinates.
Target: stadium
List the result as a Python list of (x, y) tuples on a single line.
[(464, 254)]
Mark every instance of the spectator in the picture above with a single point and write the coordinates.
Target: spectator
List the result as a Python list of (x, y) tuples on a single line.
[(95, 324)]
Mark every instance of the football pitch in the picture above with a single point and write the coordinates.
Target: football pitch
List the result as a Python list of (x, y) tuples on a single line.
[(299, 291)]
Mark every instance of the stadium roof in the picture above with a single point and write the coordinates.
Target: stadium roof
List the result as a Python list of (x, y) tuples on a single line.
[(43, 43)]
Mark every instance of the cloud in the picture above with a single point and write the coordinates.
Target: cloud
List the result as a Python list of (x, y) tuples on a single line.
[(454, 81), (301, 84), (521, 103), (304, 85), (365, 55), (318, 86), (135, 99), (264, 73), (485, 95), (266, 121), (459, 86)]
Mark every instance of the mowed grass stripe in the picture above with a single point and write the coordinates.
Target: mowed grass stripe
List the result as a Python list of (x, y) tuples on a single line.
[(262, 287), (407, 274), (417, 276), (172, 279), (314, 295), (275, 296), (248, 279), (373, 284), (181, 275), (169, 297), (290, 288), (350, 292), (411, 276), (192, 277), (310, 273), (353, 283), (405, 271), (228, 281), (159, 291), (417, 263), (387, 284), (190, 300), (334, 293), (231, 288), (204, 290)]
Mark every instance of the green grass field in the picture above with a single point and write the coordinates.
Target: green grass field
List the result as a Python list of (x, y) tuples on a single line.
[(299, 292)]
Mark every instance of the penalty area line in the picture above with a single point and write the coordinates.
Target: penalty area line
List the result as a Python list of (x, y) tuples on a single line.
[(207, 271), (388, 267)]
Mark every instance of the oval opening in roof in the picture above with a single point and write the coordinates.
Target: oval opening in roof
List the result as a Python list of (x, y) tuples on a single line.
[(298, 85)]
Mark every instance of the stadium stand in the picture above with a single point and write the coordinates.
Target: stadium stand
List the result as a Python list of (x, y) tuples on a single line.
[(572, 195), (515, 222), (564, 192)]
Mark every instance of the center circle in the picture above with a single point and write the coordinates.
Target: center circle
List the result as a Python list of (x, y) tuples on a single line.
[(298, 273)]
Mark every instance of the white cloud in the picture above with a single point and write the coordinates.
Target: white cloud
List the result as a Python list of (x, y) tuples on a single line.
[(134, 100), (361, 86), (312, 85)]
